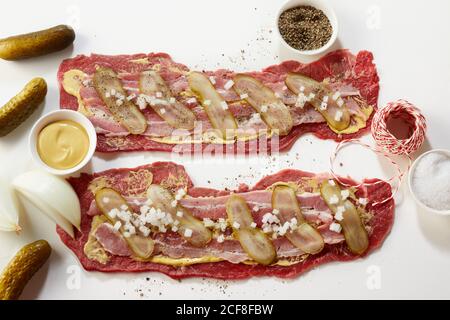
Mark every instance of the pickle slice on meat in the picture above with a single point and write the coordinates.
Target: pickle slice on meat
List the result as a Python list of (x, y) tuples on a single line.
[(214, 105), (303, 236), (354, 232), (172, 111), (109, 199), (254, 242), (333, 110), (109, 88), (189, 227), (272, 110)]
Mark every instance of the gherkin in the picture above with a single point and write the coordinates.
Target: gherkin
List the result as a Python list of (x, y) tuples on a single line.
[(19, 108), (22, 267), (36, 44)]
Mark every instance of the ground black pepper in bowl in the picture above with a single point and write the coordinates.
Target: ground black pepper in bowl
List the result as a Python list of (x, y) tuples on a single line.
[(305, 28)]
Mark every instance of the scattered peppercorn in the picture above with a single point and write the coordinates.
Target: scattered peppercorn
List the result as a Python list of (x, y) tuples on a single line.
[(305, 27)]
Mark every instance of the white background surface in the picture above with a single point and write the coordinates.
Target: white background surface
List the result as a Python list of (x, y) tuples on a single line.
[(410, 43)]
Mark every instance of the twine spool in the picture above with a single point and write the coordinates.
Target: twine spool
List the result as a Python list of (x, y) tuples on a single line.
[(386, 140), (388, 143)]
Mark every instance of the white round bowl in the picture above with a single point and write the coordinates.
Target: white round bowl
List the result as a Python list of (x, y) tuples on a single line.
[(410, 176), (327, 10), (58, 116)]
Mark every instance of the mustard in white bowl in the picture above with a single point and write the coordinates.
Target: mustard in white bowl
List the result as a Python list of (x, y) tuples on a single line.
[(63, 142)]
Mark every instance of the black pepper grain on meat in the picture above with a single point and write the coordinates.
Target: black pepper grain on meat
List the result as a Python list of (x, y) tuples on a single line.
[(305, 28)]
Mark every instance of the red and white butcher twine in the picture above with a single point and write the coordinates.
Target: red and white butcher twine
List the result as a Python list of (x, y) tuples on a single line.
[(389, 143)]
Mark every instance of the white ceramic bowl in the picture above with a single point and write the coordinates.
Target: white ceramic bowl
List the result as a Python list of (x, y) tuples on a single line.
[(410, 176), (327, 10), (57, 116)]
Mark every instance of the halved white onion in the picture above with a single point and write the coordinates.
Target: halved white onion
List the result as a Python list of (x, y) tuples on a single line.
[(49, 211), (51, 195), (9, 208)]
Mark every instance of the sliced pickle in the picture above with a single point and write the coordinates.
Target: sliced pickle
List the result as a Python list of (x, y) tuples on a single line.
[(221, 118), (163, 199), (305, 236), (254, 242), (126, 113), (175, 113), (295, 82), (272, 110), (140, 245), (354, 232)]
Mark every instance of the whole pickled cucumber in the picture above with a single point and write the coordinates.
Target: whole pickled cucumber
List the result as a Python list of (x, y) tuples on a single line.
[(22, 267), (19, 108), (36, 43)]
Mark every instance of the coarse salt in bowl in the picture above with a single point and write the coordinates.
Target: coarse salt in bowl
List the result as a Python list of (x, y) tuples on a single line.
[(423, 169), (322, 5)]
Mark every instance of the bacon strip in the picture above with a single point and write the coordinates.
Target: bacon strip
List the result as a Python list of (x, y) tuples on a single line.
[(172, 245), (112, 241), (134, 182), (350, 75)]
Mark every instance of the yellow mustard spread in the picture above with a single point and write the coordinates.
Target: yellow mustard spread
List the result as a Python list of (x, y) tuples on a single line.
[(63, 144)]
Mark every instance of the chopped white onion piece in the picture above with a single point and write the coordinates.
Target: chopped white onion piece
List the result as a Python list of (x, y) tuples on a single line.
[(188, 233), (336, 95), (224, 105), (228, 85), (362, 201), (335, 227)]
